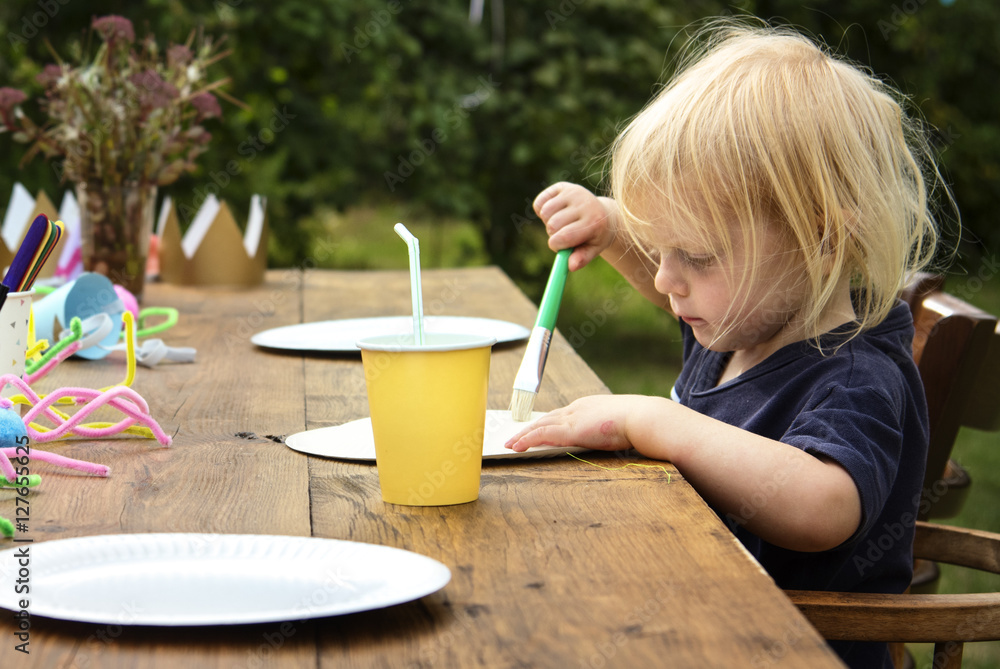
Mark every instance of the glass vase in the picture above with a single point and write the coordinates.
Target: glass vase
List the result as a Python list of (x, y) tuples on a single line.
[(115, 226)]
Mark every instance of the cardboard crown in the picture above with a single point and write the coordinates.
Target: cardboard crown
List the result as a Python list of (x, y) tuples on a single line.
[(21, 211), (212, 251)]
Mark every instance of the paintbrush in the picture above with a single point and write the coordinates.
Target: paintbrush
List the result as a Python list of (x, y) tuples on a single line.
[(529, 375)]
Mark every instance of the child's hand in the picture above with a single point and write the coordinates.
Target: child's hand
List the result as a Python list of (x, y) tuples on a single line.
[(576, 218), (596, 422)]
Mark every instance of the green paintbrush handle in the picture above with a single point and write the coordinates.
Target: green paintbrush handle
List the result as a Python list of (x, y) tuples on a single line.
[(549, 308)]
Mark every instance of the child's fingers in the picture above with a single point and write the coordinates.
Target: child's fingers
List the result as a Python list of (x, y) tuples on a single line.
[(514, 441), (529, 436), (557, 213), (536, 436), (545, 196), (565, 222), (561, 196), (568, 231), (582, 256)]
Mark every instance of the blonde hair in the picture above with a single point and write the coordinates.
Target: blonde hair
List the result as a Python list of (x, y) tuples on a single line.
[(760, 123)]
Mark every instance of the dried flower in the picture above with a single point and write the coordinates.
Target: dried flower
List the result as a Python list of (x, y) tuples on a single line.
[(49, 75), (126, 115), (114, 28), (179, 56), (154, 92), (207, 106), (11, 97)]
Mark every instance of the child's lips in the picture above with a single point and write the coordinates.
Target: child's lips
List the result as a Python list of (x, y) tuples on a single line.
[(692, 321)]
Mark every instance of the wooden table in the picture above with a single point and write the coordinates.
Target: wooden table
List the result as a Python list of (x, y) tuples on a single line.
[(559, 563)]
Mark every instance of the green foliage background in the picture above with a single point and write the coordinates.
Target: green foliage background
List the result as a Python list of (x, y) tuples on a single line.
[(372, 101), (410, 107)]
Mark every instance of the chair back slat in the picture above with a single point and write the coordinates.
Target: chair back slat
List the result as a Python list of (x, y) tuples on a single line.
[(950, 344), (957, 546), (858, 616), (983, 410), (948, 655)]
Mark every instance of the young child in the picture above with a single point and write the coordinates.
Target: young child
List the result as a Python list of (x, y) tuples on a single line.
[(773, 198)]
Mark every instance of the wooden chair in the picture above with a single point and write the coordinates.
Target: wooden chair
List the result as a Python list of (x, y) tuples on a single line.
[(948, 621), (955, 346), (957, 350)]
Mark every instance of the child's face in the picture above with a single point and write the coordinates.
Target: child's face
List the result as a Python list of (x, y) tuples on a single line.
[(741, 300)]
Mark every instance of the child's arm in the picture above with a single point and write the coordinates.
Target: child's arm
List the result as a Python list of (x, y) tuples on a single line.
[(782, 494), (576, 218)]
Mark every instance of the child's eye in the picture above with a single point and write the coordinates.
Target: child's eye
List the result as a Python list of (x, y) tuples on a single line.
[(697, 261)]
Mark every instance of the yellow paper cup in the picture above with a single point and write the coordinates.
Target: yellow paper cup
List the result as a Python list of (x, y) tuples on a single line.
[(428, 410)]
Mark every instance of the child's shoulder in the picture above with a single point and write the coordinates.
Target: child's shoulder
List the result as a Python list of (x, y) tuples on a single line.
[(879, 358), (887, 344)]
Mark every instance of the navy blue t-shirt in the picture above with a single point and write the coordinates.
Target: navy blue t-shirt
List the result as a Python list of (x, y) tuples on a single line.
[(861, 406)]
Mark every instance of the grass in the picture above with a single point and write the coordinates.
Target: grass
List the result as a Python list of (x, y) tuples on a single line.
[(364, 239), (634, 348)]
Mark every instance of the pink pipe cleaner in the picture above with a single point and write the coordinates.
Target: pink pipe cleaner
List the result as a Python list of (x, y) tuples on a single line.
[(6, 468), (52, 459), (47, 367), (121, 398)]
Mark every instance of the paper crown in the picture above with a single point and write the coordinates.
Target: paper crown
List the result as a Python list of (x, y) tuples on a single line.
[(21, 211), (212, 251)]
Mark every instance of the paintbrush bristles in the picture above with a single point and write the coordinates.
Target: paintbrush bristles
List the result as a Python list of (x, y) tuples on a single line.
[(521, 404), (529, 374)]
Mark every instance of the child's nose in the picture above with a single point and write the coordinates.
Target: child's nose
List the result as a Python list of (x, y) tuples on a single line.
[(668, 279)]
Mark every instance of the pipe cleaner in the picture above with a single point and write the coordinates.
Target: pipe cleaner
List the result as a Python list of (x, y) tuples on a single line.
[(29, 481), (47, 361), (154, 351), (94, 333), (149, 354), (14, 431), (81, 335), (170, 318), (122, 398), (58, 461)]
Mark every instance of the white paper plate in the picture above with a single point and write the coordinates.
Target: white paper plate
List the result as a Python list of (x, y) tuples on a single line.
[(354, 440), (340, 336), (214, 579)]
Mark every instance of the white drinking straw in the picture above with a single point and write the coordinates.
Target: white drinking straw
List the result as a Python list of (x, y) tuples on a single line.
[(416, 295)]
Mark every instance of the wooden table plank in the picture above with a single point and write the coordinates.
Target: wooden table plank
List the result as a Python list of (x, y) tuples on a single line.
[(559, 563)]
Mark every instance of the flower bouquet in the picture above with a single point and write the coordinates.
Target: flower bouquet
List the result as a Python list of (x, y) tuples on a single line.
[(123, 123)]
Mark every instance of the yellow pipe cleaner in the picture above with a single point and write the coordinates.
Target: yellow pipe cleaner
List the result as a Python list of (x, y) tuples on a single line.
[(35, 348), (129, 321), (630, 464)]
